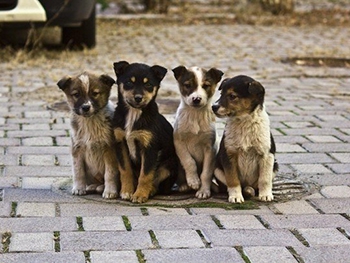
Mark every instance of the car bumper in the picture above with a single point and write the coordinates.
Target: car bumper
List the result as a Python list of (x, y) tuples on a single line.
[(26, 10)]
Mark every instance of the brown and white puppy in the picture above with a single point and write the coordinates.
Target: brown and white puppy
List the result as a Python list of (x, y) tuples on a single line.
[(147, 134), (93, 145), (194, 128), (246, 158)]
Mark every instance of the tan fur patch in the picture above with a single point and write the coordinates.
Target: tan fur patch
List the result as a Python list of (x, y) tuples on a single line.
[(145, 80), (119, 134), (144, 137), (133, 79)]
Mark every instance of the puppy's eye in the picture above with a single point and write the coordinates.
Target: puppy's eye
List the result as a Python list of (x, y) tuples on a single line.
[(148, 86), (187, 86), (232, 97), (129, 84), (75, 95), (206, 86), (95, 93)]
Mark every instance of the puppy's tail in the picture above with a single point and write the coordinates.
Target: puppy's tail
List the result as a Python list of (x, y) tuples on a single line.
[(248, 192)]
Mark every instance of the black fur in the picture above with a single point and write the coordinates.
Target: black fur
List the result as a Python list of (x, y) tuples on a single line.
[(160, 151)]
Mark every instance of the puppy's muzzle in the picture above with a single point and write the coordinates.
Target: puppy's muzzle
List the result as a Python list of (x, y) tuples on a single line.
[(196, 101), (138, 98), (85, 108), (215, 108)]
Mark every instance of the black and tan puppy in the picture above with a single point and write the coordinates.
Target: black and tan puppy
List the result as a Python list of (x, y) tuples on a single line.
[(93, 144), (194, 128), (246, 158), (148, 135)]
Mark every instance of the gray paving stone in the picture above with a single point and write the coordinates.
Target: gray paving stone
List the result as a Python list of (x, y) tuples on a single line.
[(342, 157), (324, 237), (333, 205), (10, 141), (340, 168), (207, 255), (8, 159), (340, 191), (37, 141), (166, 211), (23, 171), (38, 150), (306, 221), (295, 207), (324, 254), (48, 257), (40, 160), (37, 224), (113, 256), (251, 237), (327, 147), (38, 182), (326, 179), (179, 239), (265, 254), (240, 222), (31, 242), (289, 147), (98, 209), (105, 223), (36, 133), (38, 195), (105, 241), (37, 126), (310, 168), (26, 209), (5, 208), (304, 158), (220, 211), (172, 222)]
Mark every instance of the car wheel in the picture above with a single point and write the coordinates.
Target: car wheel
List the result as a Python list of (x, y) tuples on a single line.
[(82, 36)]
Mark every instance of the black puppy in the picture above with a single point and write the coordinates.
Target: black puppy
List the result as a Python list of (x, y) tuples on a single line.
[(147, 135), (246, 159)]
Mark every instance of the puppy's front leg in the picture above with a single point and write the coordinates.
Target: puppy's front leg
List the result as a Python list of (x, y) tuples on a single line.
[(145, 187), (265, 177), (110, 176), (188, 163), (207, 173), (126, 173), (79, 176), (234, 188)]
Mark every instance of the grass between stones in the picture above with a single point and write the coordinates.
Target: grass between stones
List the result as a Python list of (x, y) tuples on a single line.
[(5, 241)]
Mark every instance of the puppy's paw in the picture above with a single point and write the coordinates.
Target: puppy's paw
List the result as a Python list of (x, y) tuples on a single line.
[(236, 199), (126, 195), (109, 195), (110, 192), (139, 197), (184, 188), (266, 198), (79, 191), (235, 195), (203, 193), (194, 182)]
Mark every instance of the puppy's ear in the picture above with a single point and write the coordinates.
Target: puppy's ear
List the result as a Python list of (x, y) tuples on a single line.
[(119, 67), (255, 88), (179, 71), (223, 82), (106, 80), (215, 74), (159, 71), (64, 82)]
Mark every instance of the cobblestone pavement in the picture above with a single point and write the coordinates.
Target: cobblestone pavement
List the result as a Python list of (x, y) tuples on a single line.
[(309, 109)]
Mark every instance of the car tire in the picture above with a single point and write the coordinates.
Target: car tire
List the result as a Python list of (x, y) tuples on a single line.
[(82, 36)]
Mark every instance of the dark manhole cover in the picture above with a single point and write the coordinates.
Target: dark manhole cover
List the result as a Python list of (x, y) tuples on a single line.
[(286, 187), (318, 62)]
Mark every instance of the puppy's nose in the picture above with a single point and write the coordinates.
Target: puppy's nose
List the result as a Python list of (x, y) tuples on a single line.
[(215, 108), (196, 100), (85, 107), (138, 98)]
